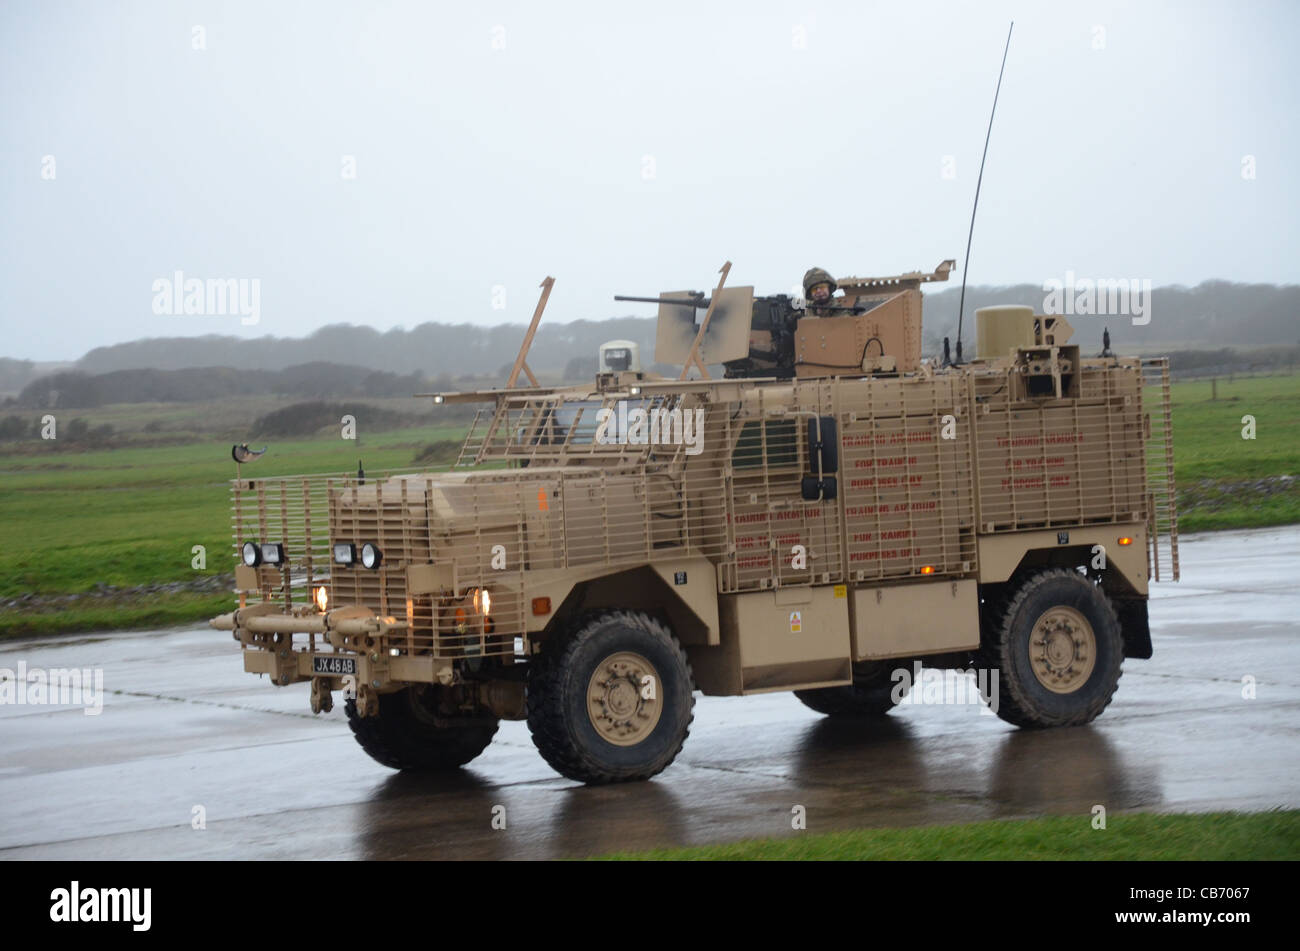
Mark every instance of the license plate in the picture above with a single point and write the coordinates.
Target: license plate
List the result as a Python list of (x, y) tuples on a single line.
[(333, 665)]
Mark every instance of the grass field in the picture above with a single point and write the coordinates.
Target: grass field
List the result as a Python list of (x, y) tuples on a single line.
[(76, 523), (1219, 836), (1226, 481), (130, 516), (73, 523)]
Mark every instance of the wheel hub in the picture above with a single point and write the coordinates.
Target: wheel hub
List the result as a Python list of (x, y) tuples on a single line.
[(1062, 649), (623, 699)]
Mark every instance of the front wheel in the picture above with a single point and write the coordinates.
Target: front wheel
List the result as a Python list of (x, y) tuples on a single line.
[(611, 700), (1057, 648)]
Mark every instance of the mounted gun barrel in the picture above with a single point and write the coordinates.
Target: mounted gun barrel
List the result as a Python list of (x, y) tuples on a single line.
[(699, 300)]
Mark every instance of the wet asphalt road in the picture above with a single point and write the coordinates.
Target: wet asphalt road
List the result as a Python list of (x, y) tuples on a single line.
[(183, 726)]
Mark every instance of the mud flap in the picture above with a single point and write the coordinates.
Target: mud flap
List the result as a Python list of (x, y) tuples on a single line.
[(1133, 625)]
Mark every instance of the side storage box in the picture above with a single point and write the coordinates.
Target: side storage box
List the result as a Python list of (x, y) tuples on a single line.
[(901, 620), (790, 637)]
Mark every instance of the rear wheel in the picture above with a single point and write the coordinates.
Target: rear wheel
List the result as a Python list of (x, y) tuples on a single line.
[(873, 693), (611, 700), (1058, 650), (410, 732)]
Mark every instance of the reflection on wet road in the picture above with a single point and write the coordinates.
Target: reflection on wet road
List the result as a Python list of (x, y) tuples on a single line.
[(185, 732)]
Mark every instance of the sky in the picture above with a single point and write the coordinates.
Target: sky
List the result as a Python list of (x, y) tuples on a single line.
[(391, 163)]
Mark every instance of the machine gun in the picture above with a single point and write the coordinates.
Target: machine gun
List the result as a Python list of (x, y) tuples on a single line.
[(841, 309), (697, 299)]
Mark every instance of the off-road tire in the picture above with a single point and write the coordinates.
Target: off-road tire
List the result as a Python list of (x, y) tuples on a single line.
[(405, 735), (559, 681), (1005, 647), (870, 695)]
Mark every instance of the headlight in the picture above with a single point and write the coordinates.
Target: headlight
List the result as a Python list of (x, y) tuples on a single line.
[(273, 553), (252, 553), (371, 556), (345, 553)]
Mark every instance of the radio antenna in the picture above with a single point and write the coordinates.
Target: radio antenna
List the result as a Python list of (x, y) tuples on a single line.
[(961, 307)]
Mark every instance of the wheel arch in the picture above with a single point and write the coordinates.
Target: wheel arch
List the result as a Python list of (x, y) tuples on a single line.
[(681, 592), (1005, 555), (1007, 559)]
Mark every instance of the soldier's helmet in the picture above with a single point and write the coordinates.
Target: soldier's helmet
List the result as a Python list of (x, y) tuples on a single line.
[(817, 276)]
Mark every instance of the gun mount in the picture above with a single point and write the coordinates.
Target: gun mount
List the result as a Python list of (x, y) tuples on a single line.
[(874, 327)]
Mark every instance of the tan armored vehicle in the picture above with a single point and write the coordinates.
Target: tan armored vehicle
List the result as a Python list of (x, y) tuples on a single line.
[(830, 511)]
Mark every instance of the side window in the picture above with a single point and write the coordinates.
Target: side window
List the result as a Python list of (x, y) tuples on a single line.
[(584, 415), (782, 444), (558, 420)]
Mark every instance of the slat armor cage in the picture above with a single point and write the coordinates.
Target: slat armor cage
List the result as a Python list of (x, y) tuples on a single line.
[(574, 478)]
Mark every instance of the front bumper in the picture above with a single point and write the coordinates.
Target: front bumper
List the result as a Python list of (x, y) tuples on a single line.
[(267, 635)]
